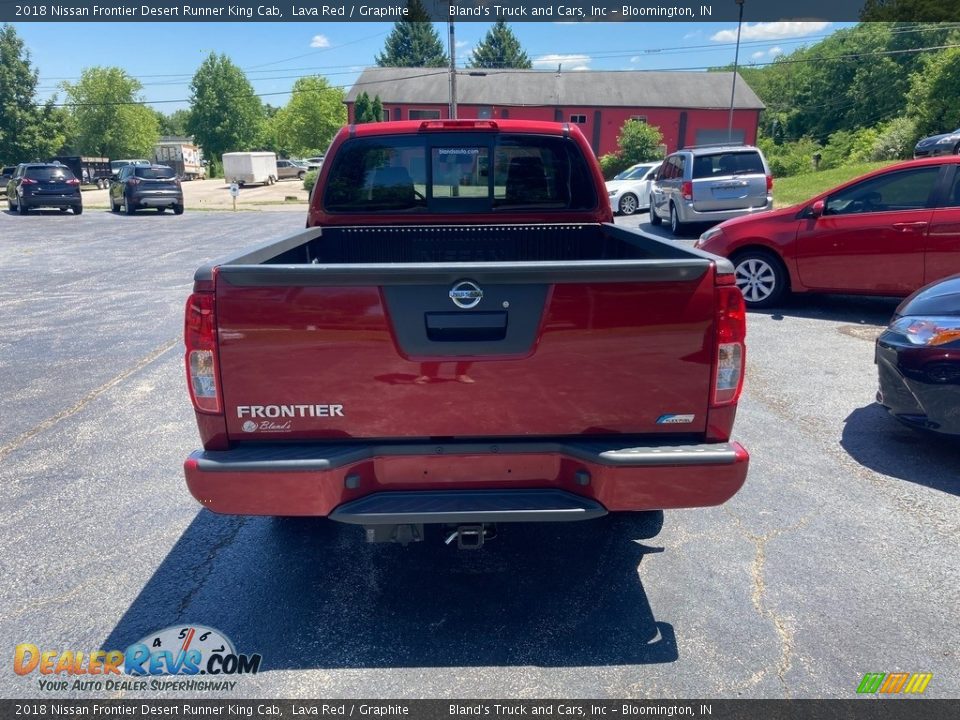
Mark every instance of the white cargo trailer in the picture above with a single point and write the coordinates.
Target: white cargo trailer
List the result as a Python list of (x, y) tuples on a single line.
[(250, 168)]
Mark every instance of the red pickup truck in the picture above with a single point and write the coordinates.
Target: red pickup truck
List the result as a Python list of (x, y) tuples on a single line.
[(463, 337)]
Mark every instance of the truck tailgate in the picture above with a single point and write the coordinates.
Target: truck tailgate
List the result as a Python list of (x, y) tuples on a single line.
[(552, 349)]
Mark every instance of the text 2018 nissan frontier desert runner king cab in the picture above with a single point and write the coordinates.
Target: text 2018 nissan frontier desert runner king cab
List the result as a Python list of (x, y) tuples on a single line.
[(462, 337)]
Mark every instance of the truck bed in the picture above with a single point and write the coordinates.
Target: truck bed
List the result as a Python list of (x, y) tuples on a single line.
[(577, 330)]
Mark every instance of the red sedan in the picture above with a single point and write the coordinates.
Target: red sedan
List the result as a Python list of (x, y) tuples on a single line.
[(886, 233)]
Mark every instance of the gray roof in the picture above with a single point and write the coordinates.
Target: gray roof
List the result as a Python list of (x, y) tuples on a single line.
[(634, 89)]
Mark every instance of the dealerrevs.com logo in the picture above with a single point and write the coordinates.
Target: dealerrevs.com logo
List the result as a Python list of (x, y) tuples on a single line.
[(176, 651)]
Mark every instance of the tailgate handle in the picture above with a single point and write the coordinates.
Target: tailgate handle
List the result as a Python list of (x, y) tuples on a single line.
[(466, 327)]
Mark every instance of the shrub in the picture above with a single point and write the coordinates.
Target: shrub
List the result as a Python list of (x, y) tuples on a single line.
[(894, 140), (794, 158), (846, 147), (309, 180), (611, 164)]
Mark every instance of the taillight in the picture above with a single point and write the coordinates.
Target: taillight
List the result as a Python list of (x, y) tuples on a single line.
[(134, 181), (200, 338), (73, 181), (731, 350), (769, 183), (686, 190), (27, 181)]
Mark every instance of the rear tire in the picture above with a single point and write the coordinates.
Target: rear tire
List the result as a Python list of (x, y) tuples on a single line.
[(300, 175), (78, 210), (676, 227), (655, 219), (127, 207), (761, 277), (178, 209), (21, 208), (114, 207)]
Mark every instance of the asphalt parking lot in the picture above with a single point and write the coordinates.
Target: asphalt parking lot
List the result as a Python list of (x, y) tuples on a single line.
[(839, 557)]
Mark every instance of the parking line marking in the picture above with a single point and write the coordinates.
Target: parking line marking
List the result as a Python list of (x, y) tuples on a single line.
[(86, 400)]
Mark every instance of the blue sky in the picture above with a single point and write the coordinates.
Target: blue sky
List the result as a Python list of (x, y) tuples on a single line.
[(164, 56)]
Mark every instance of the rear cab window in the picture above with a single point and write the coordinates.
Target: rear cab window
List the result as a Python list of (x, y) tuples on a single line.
[(458, 172)]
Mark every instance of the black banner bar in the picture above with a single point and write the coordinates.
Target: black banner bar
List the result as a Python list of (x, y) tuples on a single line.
[(866, 708), (486, 11)]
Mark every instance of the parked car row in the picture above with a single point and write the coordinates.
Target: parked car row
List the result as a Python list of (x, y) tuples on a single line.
[(54, 185)]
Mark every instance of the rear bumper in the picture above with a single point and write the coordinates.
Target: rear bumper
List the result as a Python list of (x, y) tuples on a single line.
[(434, 482), (157, 199), (51, 201), (689, 214)]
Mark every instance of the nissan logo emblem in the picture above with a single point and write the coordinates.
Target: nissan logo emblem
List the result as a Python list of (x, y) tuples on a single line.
[(466, 294)]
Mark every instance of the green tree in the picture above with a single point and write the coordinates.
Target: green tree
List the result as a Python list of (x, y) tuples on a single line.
[(639, 142), (366, 110), (500, 48), (108, 117), (934, 98), (225, 114), (175, 123), (636, 143), (909, 10), (413, 42), (376, 109), (312, 116), (27, 132), (361, 108)]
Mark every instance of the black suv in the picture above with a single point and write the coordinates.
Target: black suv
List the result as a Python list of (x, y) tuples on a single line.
[(150, 186), (35, 185)]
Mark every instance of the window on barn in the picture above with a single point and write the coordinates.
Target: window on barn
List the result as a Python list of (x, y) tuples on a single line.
[(579, 119), (424, 114)]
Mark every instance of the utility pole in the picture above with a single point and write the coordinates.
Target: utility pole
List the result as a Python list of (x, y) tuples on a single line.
[(453, 74), (736, 62)]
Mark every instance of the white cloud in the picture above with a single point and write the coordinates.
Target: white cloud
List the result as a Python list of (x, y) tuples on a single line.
[(771, 31), (774, 51), (757, 55), (580, 62), (461, 44), (692, 35), (319, 41)]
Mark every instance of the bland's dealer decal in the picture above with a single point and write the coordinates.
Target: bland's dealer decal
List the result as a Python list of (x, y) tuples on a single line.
[(177, 650), (273, 415)]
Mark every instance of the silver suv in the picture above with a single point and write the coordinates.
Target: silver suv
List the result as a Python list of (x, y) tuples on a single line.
[(710, 184)]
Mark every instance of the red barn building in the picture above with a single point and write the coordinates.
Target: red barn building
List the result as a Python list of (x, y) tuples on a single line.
[(690, 108)]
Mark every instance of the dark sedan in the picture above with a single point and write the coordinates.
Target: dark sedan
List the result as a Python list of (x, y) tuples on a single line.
[(146, 186), (36, 185), (918, 357), (944, 144)]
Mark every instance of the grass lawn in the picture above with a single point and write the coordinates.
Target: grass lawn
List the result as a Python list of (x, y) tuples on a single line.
[(796, 189)]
